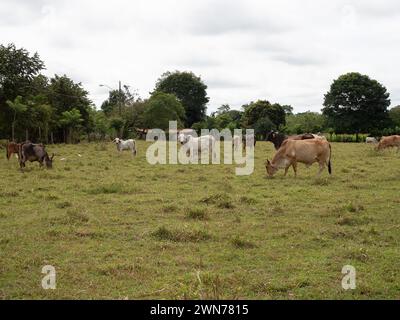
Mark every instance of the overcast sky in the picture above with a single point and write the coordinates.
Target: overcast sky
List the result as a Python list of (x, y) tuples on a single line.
[(283, 51)]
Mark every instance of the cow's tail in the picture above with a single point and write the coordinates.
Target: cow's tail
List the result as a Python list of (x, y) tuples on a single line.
[(329, 161), (8, 157)]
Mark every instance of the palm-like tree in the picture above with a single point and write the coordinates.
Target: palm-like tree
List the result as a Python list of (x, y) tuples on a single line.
[(18, 108), (71, 120)]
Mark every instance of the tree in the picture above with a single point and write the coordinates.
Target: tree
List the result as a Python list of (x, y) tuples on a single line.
[(117, 124), (356, 103), (64, 95), (101, 124), (18, 108), (190, 90), (118, 101), (162, 108), (134, 117), (262, 109), (71, 120), (40, 115), (17, 71), (288, 109), (394, 114), (312, 122)]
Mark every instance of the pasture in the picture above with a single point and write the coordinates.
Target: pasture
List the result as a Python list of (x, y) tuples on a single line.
[(119, 228)]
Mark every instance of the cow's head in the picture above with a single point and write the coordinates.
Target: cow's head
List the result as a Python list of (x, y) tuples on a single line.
[(271, 136), (49, 161), (182, 138), (271, 169), (117, 140)]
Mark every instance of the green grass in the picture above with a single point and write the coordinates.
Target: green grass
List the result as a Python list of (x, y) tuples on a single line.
[(116, 227)]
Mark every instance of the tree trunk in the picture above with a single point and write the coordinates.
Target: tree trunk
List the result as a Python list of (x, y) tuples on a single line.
[(70, 135), (13, 131), (52, 137), (26, 135), (40, 134)]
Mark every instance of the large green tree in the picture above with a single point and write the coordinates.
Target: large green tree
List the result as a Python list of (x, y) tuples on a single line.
[(312, 122), (263, 116), (18, 69), (162, 108), (394, 114), (64, 95), (190, 90), (356, 103)]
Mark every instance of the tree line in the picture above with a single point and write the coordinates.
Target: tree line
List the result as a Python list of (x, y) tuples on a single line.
[(58, 109)]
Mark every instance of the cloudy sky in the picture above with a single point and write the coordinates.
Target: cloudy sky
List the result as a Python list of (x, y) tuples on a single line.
[(283, 51)]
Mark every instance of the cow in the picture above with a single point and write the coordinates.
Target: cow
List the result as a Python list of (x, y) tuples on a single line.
[(199, 144), (304, 151), (34, 152), (316, 136), (389, 142), (12, 148), (371, 140), (126, 145), (278, 138)]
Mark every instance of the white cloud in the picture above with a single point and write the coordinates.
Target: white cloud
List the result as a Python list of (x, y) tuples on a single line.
[(287, 51)]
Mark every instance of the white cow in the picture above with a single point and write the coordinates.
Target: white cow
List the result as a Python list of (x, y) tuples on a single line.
[(319, 136), (371, 140), (200, 144), (129, 144)]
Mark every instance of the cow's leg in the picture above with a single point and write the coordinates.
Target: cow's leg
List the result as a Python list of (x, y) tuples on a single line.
[(294, 165), (286, 170), (321, 168)]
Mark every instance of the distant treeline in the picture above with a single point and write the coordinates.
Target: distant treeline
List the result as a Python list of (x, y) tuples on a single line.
[(57, 109)]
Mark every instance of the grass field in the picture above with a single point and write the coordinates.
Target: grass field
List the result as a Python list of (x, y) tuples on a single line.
[(119, 228)]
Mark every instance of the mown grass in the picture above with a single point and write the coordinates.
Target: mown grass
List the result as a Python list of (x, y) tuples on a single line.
[(116, 227)]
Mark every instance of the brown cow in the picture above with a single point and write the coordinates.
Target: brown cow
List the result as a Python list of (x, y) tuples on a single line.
[(389, 142), (12, 148), (304, 151)]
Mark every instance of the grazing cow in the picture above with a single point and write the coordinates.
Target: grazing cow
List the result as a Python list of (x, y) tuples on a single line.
[(12, 148), (389, 142), (126, 145), (200, 144), (34, 152), (278, 138), (304, 151), (371, 140)]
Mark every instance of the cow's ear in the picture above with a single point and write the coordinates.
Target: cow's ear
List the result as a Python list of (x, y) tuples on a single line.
[(268, 162), (273, 135)]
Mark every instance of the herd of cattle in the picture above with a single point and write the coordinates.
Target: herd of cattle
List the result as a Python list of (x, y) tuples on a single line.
[(304, 148)]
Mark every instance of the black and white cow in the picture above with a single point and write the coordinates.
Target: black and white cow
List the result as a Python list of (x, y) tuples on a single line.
[(34, 152)]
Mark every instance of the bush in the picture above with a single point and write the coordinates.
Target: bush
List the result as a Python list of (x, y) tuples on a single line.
[(344, 137)]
